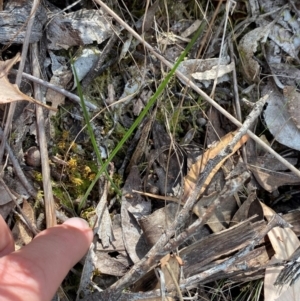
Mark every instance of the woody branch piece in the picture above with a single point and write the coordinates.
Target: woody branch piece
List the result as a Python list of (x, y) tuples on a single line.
[(276, 221), (231, 187)]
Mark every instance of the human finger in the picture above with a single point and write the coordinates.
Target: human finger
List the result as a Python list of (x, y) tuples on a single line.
[(6, 240), (35, 272)]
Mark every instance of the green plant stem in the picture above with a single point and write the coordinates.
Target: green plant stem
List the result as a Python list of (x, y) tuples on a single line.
[(138, 120), (91, 133)]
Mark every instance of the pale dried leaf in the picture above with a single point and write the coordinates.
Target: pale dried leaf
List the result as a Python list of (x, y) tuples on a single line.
[(224, 212), (113, 260), (78, 28), (84, 63), (171, 269), (158, 222), (199, 66), (133, 207), (132, 87), (20, 231), (61, 77), (278, 119), (286, 73), (191, 29), (113, 263), (10, 92), (284, 242), (139, 104), (214, 72), (270, 180), (125, 47), (7, 65), (87, 274), (103, 226), (247, 48), (104, 230), (286, 40)]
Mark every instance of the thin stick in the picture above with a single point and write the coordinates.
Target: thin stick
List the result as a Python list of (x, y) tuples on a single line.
[(236, 97), (48, 194), (18, 170), (198, 90), (56, 89)]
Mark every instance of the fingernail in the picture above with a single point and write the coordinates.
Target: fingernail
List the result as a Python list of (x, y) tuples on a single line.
[(77, 222)]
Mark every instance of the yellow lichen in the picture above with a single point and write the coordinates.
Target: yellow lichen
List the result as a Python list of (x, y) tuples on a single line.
[(38, 176), (39, 194), (92, 176), (76, 181), (65, 135), (61, 145), (86, 171), (73, 146), (72, 163)]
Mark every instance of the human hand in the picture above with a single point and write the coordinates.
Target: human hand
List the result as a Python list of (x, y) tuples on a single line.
[(35, 272)]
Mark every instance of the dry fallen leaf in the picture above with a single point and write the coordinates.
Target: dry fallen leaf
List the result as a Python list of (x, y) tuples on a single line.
[(284, 242), (21, 233), (10, 92), (170, 267), (279, 121), (204, 70), (247, 48), (270, 179), (191, 178)]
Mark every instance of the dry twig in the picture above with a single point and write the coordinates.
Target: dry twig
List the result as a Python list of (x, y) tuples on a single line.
[(48, 194)]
